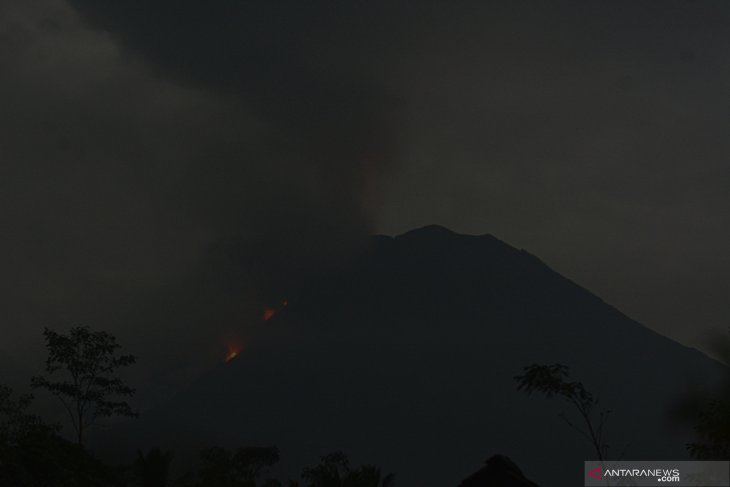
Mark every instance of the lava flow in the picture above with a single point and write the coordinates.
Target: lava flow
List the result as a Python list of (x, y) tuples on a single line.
[(271, 312), (232, 353)]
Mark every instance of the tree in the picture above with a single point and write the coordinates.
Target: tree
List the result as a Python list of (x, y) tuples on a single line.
[(16, 423), (153, 469), (241, 468), (713, 430), (711, 412), (330, 472), (553, 380), (334, 471), (255, 461), (89, 360), (24, 438), (32, 454)]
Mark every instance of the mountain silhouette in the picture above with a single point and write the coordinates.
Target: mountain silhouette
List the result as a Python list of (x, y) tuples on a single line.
[(406, 359)]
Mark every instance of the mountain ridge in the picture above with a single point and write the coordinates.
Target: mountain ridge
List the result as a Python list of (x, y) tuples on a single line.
[(435, 229), (414, 347)]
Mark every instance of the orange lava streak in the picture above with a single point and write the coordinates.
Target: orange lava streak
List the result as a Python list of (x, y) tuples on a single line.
[(232, 353), (269, 313)]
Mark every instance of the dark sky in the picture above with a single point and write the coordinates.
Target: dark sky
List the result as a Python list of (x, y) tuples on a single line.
[(165, 167)]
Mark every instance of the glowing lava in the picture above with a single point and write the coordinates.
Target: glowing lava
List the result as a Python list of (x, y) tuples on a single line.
[(232, 353), (271, 312)]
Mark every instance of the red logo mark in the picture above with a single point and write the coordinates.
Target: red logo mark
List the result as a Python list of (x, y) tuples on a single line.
[(596, 473)]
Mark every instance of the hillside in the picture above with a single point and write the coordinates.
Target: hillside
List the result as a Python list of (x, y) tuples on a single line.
[(406, 359)]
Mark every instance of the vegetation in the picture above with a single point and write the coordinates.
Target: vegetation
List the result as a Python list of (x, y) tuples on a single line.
[(713, 431), (242, 468), (553, 380), (249, 467), (34, 454), (153, 469), (711, 413), (334, 471), (89, 389)]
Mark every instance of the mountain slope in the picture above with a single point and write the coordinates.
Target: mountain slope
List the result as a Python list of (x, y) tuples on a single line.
[(406, 359)]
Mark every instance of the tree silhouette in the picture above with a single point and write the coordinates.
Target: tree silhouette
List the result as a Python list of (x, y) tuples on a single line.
[(242, 468), (552, 380), (16, 423), (89, 389), (152, 469), (33, 455), (330, 472), (711, 412), (713, 429), (334, 471), (20, 434)]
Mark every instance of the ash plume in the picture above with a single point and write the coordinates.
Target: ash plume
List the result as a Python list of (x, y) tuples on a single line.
[(192, 162)]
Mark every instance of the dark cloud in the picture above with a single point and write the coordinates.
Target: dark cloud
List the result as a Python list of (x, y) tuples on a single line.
[(173, 169), (170, 166), (307, 74), (590, 133)]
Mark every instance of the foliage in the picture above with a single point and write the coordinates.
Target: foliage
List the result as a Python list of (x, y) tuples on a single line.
[(553, 380), (33, 455), (710, 412), (90, 388), (248, 467), (242, 468), (334, 471), (713, 429), (152, 469), (16, 424)]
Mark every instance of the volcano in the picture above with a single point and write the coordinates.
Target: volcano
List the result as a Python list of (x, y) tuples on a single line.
[(406, 359)]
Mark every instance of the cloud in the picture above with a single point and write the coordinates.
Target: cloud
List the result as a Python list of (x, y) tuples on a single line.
[(168, 170), (167, 167)]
